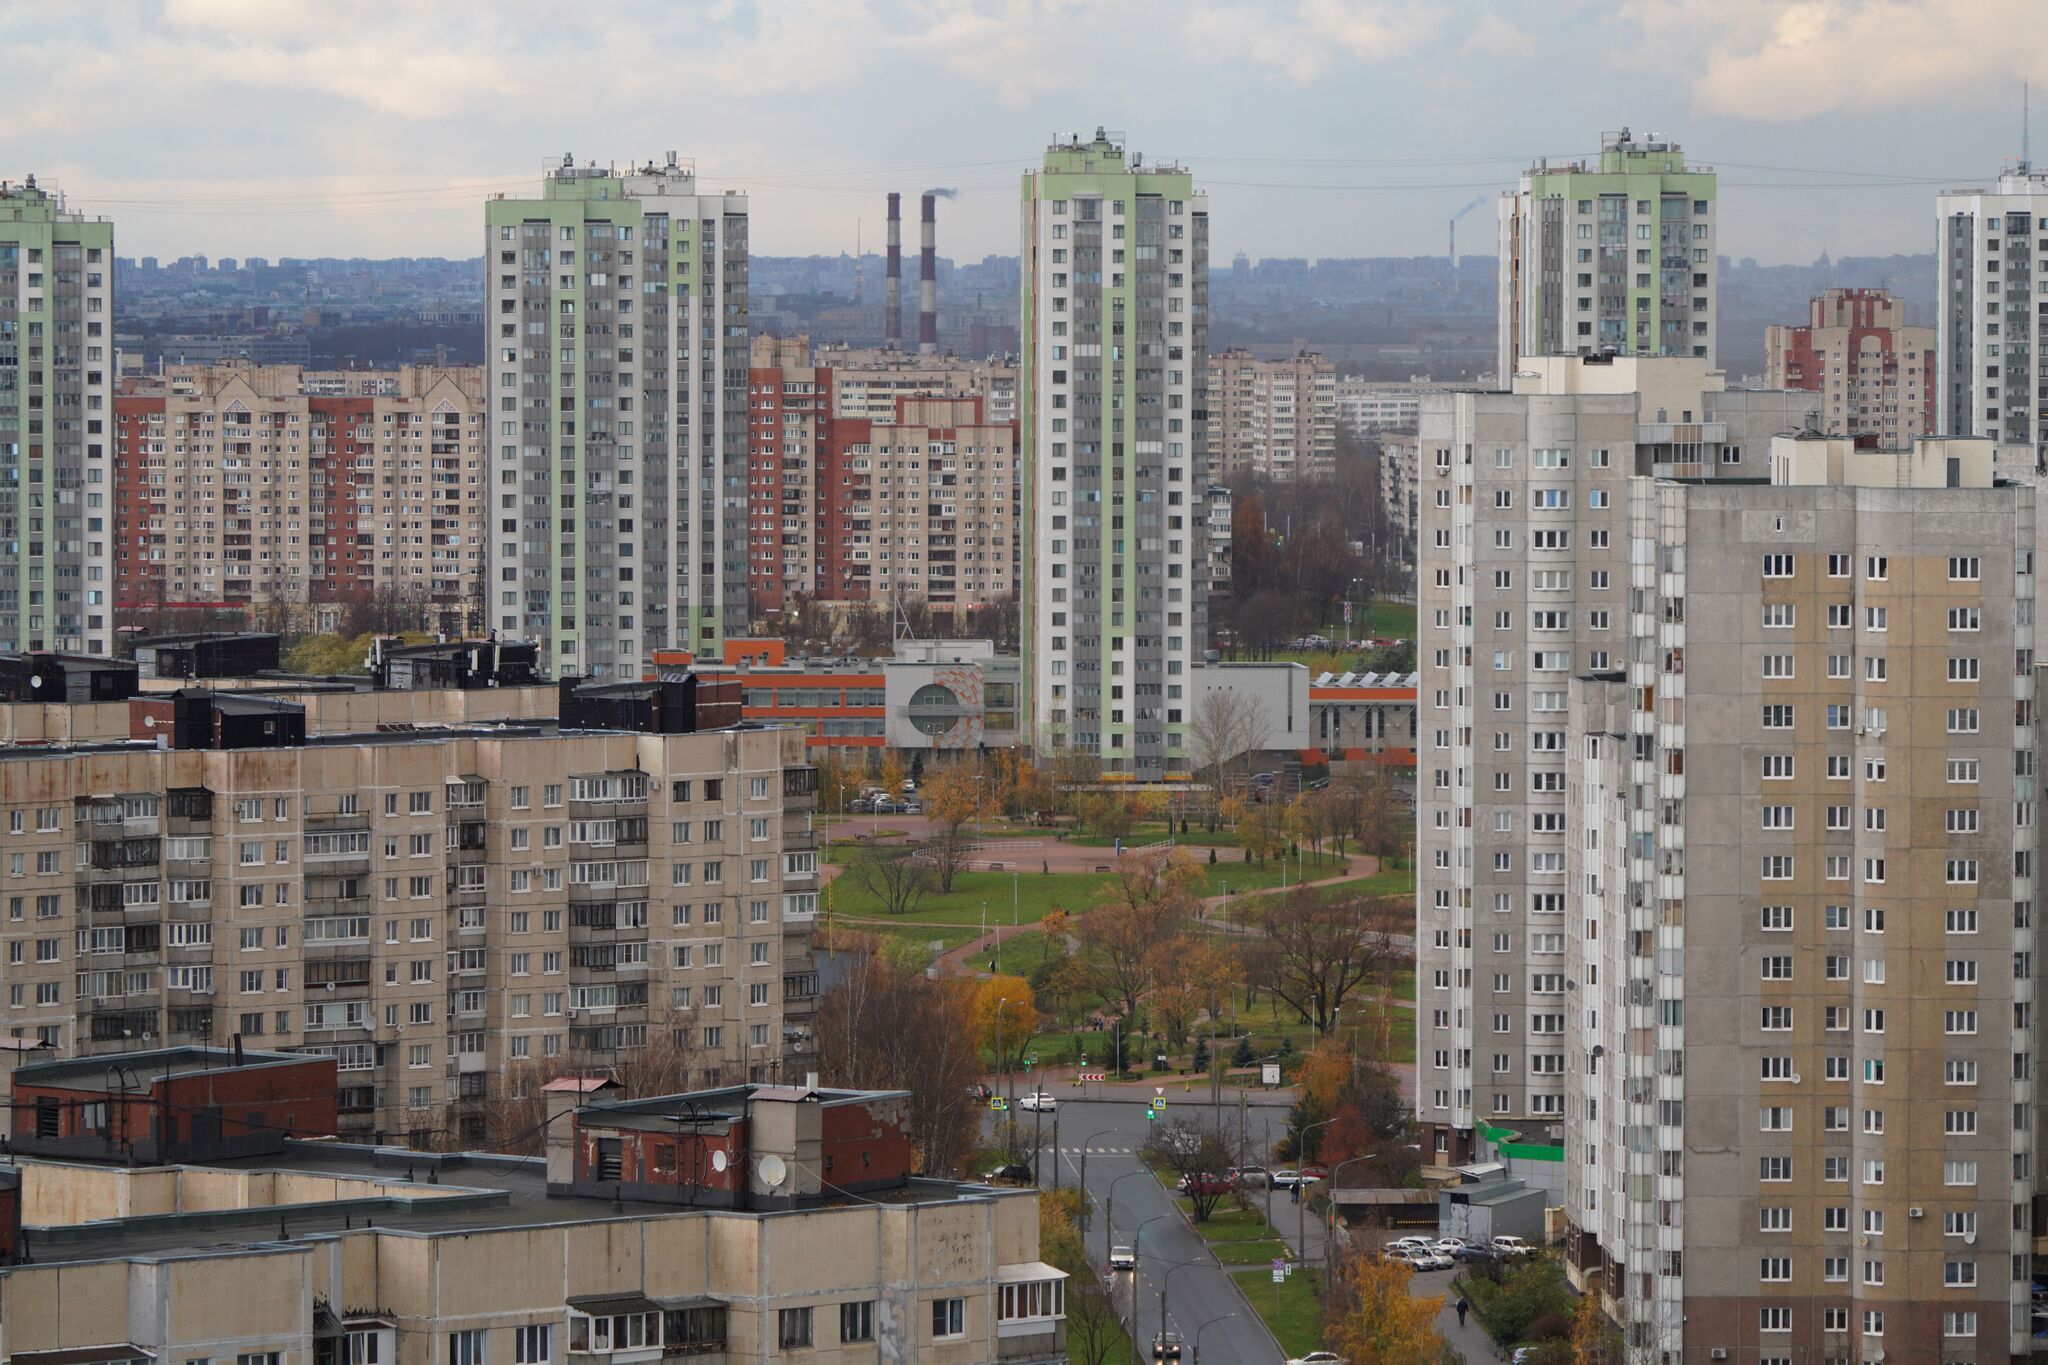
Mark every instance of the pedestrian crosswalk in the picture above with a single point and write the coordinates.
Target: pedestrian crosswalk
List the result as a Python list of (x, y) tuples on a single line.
[(1098, 1151)]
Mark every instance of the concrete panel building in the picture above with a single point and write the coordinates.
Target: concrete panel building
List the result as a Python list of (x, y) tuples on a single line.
[(247, 486), (445, 912), (618, 359), (56, 423), (1522, 584), (1991, 312), (1276, 419), (1116, 320), (1610, 255), (1799, 867), (1874, 374), (473, 1257)]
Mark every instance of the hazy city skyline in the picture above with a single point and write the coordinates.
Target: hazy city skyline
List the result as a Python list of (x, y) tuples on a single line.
[(1321, 127)]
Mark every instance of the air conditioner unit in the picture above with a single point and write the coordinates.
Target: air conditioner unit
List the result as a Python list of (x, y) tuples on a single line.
[(1718, 1353), (1916, 1212)]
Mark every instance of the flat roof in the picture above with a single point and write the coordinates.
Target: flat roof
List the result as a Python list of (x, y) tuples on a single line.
[(476, 1191), (136, 1070)]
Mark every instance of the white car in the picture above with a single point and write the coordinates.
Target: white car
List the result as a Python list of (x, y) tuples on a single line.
[(1318, 1358), (1429, 1258), (1122, 1258), (1287, 1180), (1038, 1101), (1512, 1246), (1449, 1246)]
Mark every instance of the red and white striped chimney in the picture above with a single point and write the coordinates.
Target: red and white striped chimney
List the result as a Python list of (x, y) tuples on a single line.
[(928, 278), (892, 294)]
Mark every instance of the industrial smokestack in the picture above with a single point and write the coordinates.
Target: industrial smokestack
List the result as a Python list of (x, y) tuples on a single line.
[(892, 292), (928, 278)]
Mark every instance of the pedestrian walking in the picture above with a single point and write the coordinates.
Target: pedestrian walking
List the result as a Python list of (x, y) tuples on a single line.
[(1463, 1308)]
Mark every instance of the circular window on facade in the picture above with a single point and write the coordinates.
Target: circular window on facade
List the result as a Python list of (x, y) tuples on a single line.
[(934, 709)]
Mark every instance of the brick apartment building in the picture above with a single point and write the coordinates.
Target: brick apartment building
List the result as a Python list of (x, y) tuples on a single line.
[(1874, 375), (246, 486)]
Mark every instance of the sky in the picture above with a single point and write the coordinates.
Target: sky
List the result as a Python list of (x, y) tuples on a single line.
[(1320, 127)]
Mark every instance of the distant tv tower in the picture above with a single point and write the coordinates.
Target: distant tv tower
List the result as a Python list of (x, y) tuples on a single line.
[(856, 263)]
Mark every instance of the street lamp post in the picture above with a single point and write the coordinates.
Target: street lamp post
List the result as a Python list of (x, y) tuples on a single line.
[(1301, 1204), (1203, 1328), (1330, 1214), (1001, 1001), (1166, 1280), (1085, 1145), (1137, 1263), (1109, 1206)]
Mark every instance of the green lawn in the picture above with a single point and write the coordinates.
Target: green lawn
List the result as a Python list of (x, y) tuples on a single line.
[(1292, 1311)]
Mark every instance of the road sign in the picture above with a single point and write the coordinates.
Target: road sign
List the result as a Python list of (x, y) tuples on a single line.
[(1093, 1075), (1347, 613), (1269, 1073), (998, 1104), (1159, 1090), (1279, 1270)]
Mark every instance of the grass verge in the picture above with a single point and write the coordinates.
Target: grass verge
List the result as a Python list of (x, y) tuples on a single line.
[(1291, 1310)]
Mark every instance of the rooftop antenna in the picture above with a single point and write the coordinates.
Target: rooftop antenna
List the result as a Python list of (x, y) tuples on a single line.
[(2026, 129)]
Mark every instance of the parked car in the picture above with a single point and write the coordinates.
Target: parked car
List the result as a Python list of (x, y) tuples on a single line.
[(1399, 1256), (1422, 1243), (1036, 1101), (1474, 1255), (1449, 1246), (1429, 1258), (1166, 1346), (1512, 1246), (1318, 1358), (1312, 1174), (1251, 1175), (882, 805), (1287, 1180), (1015, 1173), (913, 807), (980, 1091), (1122, 1258), (1204, 1184)]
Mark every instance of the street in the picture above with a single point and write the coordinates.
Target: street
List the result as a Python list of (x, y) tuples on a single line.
[(1112, 1134)]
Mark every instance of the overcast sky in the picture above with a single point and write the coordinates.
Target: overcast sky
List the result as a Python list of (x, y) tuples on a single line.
[(1321, 127)]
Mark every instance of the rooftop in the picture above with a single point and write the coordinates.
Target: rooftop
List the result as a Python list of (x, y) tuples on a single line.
[(328, 1188), (135, 1070)]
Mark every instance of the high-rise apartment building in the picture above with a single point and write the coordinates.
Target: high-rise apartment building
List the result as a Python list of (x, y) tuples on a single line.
[(1522, 584), (1615, 255), (444, 912), (1874, 374), (1991, 312), (1793, 966), (251, 486), (56, 423), (617, 308), (1273, 418), (921, 506), (1115, 324)]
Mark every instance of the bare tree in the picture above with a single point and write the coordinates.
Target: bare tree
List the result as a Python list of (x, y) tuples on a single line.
[(895, 877), (1142, 907), (1094, 1327), (890, 1028), (1226, 724), (1324, 950), (1201, 1155)]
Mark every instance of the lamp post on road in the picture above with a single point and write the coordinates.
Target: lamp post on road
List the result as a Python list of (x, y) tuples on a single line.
[(1137, 1267), (1203, 1328), (1166, 1280), (1109, 1205), (1330, 1214), (1301, 1204), (1084, 1156)]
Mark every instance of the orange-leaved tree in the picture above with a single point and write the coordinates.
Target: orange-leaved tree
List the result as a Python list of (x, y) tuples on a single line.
[(1373, 1316)]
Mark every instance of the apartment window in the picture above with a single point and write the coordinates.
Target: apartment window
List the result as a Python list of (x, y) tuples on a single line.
[(1964, 569), (1774, 1320), (1774, 1219), (533, 1344), (1778, 566), (468, 1348), (1774, 1268), (857, 1321), (1962, 1324), (1959, 1173), (949, 1318), (792, 1329)]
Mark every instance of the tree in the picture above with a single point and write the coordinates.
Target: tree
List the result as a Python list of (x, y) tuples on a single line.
[(1327, 949), (1095, 1333), (1383, 821), (1226, 724), (886, 1028), (893, 773), (895, 877), (1595, 1340), (1006, 1001), (951, 800), (1191, 1151), (1373, 1315), (1144, 904), (839, 782)]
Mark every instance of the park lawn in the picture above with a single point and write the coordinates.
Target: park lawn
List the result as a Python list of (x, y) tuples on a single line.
[(1292, 1311), (1035, 893), (1154, 832)]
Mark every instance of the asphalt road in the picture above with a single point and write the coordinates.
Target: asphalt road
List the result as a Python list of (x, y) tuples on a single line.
[(1197, 1293)]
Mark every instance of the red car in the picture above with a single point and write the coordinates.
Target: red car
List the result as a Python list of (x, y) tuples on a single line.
[(1204, 1184)]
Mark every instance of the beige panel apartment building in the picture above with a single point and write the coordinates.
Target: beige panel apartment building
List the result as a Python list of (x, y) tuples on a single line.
[(1801, 837), (1276, 419), (1869, 372), (1522, 583), (329, 1254), (448, 913), (268, 485)]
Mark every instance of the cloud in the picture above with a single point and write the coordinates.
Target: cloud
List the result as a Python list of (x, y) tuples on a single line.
[(1495, 36), (1776, 62), (1304, 41)]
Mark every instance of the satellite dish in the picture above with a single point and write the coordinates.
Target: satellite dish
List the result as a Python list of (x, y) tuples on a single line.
[(718, 1161), (773, 1171)]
